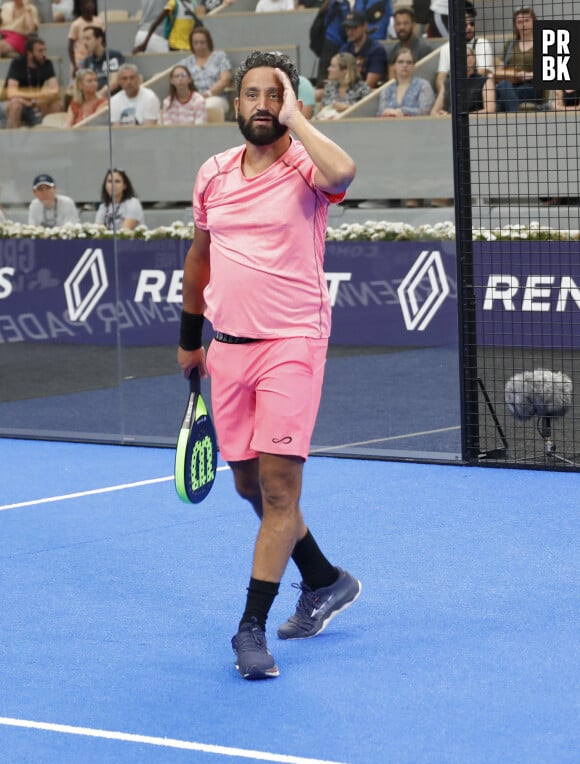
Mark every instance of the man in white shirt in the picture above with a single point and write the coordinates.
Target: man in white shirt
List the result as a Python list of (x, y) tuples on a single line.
[(50, 209), (134, 104), (480, 46)]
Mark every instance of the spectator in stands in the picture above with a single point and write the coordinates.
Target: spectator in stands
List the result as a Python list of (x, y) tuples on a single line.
[(184, 105), (406, 95), (104, 63), (180, 19), (307, 96), (370, 55), (77, 50), (86, 100), (50, 209), (343, 88), (566, 100), (404, 26), (32, 89), (439, 19), (62, 10), (156, 43), (378, 14), (515, 71), (211, 69), (18, 20), (332, 14), (477, 91), (480, 46), (272, 6), (120, 209), (134, 104)]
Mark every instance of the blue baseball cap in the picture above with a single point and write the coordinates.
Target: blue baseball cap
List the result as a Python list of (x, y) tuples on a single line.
[(43, 180)]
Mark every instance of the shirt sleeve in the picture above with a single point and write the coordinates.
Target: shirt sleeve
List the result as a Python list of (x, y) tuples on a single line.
[(34, 213), (444, 59), (134, 210), (100, 216), (70, 212), (152, 108), (377, 61)]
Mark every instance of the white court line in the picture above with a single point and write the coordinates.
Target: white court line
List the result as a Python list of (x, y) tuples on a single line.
[(93, 492), (164, 742), (384, 440)]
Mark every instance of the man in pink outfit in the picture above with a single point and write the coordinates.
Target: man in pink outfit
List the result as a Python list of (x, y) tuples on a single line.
[(255, 270)]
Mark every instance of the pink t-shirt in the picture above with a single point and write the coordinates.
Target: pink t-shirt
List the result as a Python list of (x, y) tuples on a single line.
[(267, 246)]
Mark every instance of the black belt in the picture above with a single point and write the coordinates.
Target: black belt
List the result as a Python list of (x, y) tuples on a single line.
[(231, 340)]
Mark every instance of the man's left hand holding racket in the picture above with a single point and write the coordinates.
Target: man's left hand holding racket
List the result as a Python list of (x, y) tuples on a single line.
[(196, 452)]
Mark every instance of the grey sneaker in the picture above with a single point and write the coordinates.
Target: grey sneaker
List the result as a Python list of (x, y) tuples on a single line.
[(253, 659), (316, 609)]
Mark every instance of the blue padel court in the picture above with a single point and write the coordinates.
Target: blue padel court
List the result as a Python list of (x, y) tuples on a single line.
[(119, 603)]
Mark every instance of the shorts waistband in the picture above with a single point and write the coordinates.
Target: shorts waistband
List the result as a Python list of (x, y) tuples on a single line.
[(231, 340)]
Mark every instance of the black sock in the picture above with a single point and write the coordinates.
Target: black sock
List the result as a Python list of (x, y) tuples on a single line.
[(261, 595), (315, 569)]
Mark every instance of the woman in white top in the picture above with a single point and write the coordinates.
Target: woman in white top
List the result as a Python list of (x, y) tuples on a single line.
[(119, 209)]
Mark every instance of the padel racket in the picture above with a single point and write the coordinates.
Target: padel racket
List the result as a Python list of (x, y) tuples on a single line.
[(196, 452)]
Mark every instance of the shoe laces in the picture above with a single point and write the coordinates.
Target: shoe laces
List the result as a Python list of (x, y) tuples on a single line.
[(247, 638), (307, 600)]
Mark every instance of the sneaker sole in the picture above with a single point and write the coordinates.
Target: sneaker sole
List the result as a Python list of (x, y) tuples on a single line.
[(325, 623), (254, 673)]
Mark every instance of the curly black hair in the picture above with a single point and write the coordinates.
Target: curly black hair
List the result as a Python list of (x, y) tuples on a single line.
[(274, 59)]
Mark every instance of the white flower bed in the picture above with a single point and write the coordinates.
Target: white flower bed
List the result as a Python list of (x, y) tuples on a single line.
[(369, 231)]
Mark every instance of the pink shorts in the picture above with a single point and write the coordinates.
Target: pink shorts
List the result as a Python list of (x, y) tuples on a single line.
[(265, 395)]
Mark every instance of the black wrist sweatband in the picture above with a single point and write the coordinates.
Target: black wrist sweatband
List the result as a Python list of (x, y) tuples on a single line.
[(190, 330)]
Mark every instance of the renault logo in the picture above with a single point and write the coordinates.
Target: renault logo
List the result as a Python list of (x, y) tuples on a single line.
[(417, 309), (86, 284)]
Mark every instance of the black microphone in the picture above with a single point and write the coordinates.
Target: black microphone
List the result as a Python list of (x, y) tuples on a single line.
[(541, 393)]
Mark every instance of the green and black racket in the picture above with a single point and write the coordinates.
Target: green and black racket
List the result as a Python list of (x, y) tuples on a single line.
[(196, 452)]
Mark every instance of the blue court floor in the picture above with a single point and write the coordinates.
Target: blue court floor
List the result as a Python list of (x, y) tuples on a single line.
[(118, 604)]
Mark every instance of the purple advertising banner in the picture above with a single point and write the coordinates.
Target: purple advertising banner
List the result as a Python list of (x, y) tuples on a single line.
[(77, 292), (528, 293)]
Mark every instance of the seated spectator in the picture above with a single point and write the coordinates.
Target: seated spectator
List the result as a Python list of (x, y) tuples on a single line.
[(566, 100), (480, 46), (515, 71), (184, 105), (32, 89), (180, 19), (343, 88), (404, 28), (272, 6), (86, 100), (120, 209), (134, 104), (406, 95), (18, 20), (307, 96), (370, 55), (105, 63), (77, 50), (211, 69), (156, 43), (50, 209), (62, 10), (477, 91)]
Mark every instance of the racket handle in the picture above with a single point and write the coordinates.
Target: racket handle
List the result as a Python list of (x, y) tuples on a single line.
[(192, 373)]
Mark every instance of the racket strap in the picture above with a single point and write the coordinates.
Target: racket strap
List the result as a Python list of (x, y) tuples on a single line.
[(261, 595)]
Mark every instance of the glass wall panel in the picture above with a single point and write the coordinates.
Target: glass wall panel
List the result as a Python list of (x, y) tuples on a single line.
[(89, 320)]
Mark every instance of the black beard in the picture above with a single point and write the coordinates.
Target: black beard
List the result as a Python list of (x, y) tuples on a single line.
[(263, 135)]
